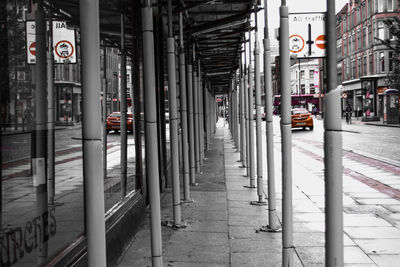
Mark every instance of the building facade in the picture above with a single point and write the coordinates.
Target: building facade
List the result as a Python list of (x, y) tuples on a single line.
[(363, 62)]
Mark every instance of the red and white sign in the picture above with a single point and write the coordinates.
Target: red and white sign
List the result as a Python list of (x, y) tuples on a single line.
[(63, 42), (64, 49), (296, 43), (32, 49), (320, 42), (310, 27)]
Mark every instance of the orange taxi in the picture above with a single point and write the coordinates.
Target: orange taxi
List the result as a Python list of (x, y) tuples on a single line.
[(301, 118), (114, 122)]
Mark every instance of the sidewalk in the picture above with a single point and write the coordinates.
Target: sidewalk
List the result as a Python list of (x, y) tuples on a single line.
[(223, 229)]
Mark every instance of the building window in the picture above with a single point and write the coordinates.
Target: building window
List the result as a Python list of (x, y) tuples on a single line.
[(391, 61), (370, 34), (370, 10), (371, 62), (390, 5), (312, 88), (359, 67), (364, 41), (303, 89), (353, 42), (379, 6), (311, 74), (344, 46), (353, 68), (358, 39), (365, 65), (302, 74), (382, 61), (381, 31)]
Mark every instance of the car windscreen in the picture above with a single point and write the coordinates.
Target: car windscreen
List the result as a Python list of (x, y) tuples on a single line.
[(299, 112)]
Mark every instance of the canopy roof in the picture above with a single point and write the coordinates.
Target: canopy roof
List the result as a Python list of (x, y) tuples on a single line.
[(217, 27)]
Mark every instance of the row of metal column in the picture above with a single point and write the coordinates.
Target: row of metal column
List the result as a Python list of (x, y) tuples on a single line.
[(246, 88), (197, 122)]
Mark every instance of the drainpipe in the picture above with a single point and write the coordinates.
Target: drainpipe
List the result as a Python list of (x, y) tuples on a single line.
[(242, 120), (50, 113), (105, 114), (39, 134), (173, 121), (260, 181), (246, 112), (92, 145), (184, 120), (286, 129), (272, 226), (333, 151), (151, 146), (251, 120), (123, 105), (201, 113), (191, 124), (196, 114)]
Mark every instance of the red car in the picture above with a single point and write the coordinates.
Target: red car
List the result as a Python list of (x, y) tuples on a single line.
[(114, 122)]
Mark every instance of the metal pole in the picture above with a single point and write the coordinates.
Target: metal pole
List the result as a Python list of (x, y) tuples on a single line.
[(196, 114), (260, 181), (50, 113), (242, 121), (201, 113), (39, 134), (105, 113), (92, 145), (237, 116), (286, 129), (251, 119), (333, 151), (246, 114), (191, 124), (123, 107), (209, 110), (272, 226), (150, 116), (184, 121), (173, 121)]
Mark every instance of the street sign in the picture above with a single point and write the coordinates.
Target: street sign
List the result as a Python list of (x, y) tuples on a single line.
[(63, 42), (296, 43), (307, 34)]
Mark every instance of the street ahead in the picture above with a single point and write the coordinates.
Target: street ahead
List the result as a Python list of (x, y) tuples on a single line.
[(371, 192)]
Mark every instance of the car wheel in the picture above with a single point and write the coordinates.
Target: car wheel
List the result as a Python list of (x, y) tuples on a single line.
[(311, 128)]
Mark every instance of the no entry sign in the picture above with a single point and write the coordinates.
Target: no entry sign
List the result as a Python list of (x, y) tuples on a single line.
[(307, 34)]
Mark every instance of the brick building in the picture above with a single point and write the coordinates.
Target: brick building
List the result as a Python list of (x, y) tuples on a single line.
[(363, 63)]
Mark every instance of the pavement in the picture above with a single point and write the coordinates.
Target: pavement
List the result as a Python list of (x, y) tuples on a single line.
[(223, 228)]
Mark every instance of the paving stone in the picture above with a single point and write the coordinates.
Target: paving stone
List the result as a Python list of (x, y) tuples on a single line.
[(379, 245), (353, 254), (386, 260), (372, 232), (363, 220)]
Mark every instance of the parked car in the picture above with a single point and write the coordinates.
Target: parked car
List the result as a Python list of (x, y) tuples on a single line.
[(301, 118), (114, 122)]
